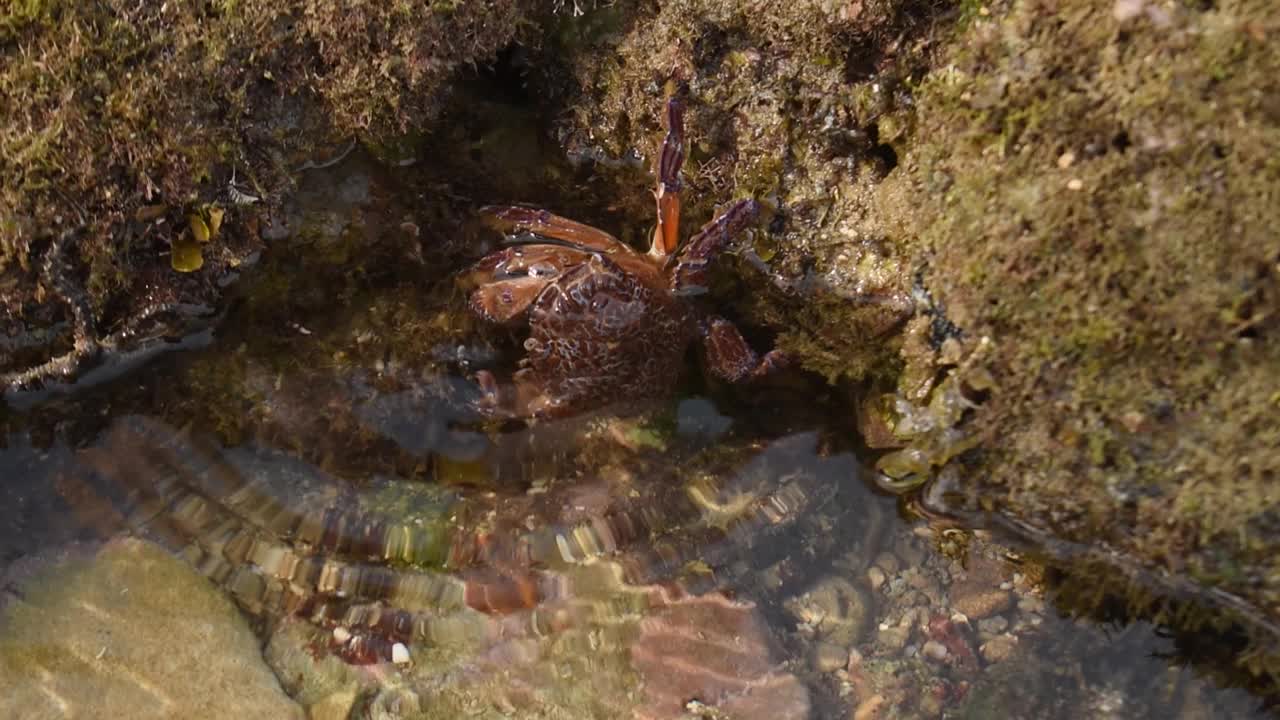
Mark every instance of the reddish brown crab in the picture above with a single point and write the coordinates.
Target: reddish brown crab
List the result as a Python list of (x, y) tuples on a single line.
[(608, 323)]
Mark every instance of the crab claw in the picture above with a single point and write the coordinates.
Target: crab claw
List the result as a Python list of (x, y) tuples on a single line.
[(666, 236), (505, 283)]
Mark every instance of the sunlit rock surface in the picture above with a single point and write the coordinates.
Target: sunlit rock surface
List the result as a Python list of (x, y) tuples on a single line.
[(128, 632)]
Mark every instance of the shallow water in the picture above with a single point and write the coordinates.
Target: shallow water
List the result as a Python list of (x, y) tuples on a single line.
[(721, 553)]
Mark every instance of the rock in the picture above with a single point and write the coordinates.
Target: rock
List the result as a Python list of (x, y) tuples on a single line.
[(840, 610), (131, 632), (981, 603), (829, 658), (888, 562), (718, 651), (876, 577), (870, 708), (979, 594), (998, 648), (893, 638), (934, 650), (993, 625), (334, 707)]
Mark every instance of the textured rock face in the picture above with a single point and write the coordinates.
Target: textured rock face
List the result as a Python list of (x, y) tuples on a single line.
[(1076, 200), (717, 651), (130, 633)]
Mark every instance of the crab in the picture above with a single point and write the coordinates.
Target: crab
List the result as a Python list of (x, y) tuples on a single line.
[(607, 323)]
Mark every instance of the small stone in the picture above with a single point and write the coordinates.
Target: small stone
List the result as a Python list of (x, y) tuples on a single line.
[(993, 625), (400, 654), (840, 610), (828, 657), (876, 577), (979, 595), (893, 638), (998, 648), (934, 650), (1075, 184), (341, 635), (869, 709), (888, 562), (1125, 10), (1031, 605), (336, 706), (1066, 159)]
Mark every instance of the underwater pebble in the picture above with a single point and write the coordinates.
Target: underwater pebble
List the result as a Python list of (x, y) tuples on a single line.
[(888, 562), (869, 709), (934, 650), (876, 577), (893, 638), (993, 625), (400, 654), (1031, 605), (1125, 10), (1075, 184), (336, 706), (998, 648), (840, 610), (828, 657), (977, 604)]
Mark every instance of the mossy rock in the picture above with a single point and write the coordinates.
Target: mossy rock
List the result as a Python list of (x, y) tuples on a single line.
[(1079, 200)]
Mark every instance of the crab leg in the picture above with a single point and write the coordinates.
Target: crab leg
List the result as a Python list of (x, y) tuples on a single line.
[(666, 236), (513, 219), (690, 274), (731, 358)]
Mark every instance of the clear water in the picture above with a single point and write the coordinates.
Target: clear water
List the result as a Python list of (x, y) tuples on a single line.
[(720, 554)]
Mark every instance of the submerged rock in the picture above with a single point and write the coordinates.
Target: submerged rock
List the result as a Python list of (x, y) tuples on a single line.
[(131, 632), (1074, 203)]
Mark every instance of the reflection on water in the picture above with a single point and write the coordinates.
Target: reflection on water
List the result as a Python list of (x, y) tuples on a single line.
[(715, 556), (647, 571)]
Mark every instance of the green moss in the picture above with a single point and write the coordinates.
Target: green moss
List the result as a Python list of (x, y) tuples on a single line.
[(110, 107), (1110, 188)]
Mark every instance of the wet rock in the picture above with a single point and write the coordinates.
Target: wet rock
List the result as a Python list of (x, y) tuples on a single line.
[(828, 657), (993, 625), (876, 577), (335, 707), (319, 681), (975, 603), (934, 650), (893, 638), (979, 594), (836, 608), (998, 648), (888, 562), (718, 651), (871, 708), (126, 634)]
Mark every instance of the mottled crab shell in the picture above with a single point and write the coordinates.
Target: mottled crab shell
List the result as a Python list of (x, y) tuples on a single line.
[(599, 334)]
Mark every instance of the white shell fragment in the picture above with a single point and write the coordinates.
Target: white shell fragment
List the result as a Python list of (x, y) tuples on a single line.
[(400, 654)]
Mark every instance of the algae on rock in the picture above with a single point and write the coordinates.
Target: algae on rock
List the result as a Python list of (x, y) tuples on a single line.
[(1096, 189), (1087, 190), (119, 120), (131, 632)]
